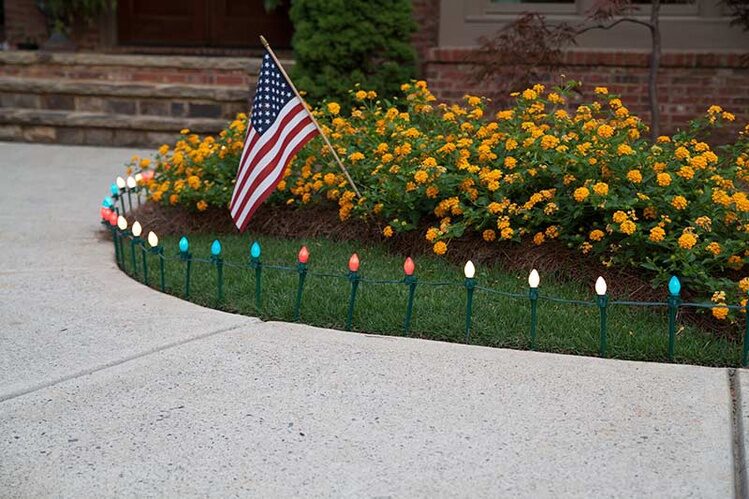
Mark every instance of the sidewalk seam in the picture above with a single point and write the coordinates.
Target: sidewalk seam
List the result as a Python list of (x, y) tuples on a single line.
[(114, 363), (737, 437)]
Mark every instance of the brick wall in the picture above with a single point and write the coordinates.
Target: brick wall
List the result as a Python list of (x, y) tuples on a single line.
[(427, 16), (688, 83), (24, 23)]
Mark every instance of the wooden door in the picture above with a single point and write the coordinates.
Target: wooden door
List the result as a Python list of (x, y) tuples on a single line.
[(238, 23), (201, 23), (162, 22)]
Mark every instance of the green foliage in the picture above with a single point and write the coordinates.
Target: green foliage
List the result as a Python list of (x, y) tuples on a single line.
[(338, 44)]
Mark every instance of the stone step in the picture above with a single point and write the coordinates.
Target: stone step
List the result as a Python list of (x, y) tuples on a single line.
[(76, 127), (155, 99), (240, 71)]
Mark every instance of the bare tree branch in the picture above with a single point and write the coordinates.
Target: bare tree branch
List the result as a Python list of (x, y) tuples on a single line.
[(616, 23)]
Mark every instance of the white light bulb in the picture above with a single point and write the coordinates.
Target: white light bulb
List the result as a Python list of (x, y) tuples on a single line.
[(120, 182), (131, 183), (534, 279), (153, 239), (469, 270), (122, 222), (600, 286), (137, 229), (139, 177)]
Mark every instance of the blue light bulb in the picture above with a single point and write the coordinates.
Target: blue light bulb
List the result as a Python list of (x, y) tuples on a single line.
[(255, 250), (107, 203), (184, 245), (114, 189), (674, 286), (216, 248)]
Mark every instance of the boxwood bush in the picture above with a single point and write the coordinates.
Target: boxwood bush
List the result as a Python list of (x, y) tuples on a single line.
[(341, 43)]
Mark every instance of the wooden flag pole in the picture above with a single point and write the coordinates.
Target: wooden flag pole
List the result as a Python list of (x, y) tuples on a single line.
[(296, 92)]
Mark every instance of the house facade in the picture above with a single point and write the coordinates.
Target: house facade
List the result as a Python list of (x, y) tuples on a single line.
[(705, 60)]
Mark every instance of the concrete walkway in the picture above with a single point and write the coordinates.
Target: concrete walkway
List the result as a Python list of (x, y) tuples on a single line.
[(108, 388)]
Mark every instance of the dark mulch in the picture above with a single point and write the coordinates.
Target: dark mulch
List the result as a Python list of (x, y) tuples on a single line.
[(317, 221)]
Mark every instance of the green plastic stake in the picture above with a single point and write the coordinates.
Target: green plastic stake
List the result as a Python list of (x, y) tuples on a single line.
[(145, 263), (470, 283), (533, 296), (354, 278), (603, 301), (533, 281), (411, 282), (133, 241), (674, 287), (220, 279), (258, 266), (187, 258), (122, 201), (301, 268), (115, 237), (409, 267), (219, 263), (160, 252), (120, 238), (470, 286), (745, 356), (161, 268), (129, 200)]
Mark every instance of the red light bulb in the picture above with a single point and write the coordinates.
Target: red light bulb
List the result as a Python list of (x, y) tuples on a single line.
[(104, 213), (353, 263), (303, 255), (409, 266), (113, 218)]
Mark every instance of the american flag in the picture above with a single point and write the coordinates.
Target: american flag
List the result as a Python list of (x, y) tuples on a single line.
[(279, 126)]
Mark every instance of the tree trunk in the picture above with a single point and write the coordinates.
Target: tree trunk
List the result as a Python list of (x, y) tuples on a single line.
[(655, 60)]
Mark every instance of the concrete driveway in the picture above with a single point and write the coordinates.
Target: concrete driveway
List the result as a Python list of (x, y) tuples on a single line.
[(108, 388)]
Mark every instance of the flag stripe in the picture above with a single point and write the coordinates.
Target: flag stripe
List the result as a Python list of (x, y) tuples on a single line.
[(252, 137), (257, 146), (276, 176), (279, 161), (280, 140)]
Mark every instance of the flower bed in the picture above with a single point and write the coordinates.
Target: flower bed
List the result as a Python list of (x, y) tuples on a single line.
[(542, 170)]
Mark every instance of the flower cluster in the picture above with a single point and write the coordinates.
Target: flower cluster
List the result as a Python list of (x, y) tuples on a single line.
[(542, 170)]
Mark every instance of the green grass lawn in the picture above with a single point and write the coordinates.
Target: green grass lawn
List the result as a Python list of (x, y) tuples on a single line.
[(634, 333)]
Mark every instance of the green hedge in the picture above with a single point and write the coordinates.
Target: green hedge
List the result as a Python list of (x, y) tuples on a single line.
[(338, 44)]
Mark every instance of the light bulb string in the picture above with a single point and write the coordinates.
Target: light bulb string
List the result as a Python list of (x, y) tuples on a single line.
[(423, 283)]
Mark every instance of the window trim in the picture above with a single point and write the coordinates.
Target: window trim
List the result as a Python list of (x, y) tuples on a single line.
[(491, 8), (495, 8)]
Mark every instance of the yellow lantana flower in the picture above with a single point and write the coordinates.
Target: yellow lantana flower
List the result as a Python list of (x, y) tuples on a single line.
[(634, 176), (663, 179), (687, 240), (657, 234), (601, 188), (581, 194)]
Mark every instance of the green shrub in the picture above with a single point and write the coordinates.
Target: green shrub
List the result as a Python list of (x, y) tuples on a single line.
[(540, 171), (338, 44)]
